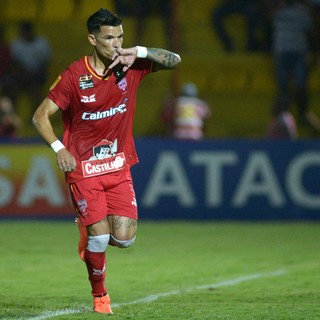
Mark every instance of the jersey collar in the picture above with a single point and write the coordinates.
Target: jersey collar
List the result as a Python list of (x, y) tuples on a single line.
[(92, 71)]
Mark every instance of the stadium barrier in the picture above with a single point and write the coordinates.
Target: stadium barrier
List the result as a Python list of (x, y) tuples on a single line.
[(213, 179)]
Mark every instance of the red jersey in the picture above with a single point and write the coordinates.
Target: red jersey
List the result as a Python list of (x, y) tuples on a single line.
[(98, 115)]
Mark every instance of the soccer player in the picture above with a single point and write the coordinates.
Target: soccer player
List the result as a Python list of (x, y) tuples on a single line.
[(97, 98)]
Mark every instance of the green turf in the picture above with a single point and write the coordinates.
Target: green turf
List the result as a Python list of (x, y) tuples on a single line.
[(40, 271)]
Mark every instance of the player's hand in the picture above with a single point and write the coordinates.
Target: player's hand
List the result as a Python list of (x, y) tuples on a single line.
[(66, 161), (125, 57)]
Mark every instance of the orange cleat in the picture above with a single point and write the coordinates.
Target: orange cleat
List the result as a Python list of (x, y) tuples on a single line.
[(102, 304), (83, 242)]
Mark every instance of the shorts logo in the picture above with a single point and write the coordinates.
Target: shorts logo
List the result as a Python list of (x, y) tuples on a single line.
[(134, 202), (82, 205)]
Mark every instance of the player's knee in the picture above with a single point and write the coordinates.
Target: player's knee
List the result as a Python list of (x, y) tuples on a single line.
[(98, 243), (122, 243)]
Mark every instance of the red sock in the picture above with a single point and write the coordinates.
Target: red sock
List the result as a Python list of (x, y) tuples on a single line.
[(96, 265)]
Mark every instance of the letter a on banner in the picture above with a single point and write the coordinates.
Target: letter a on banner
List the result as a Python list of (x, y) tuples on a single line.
[(258, 165), (41, 183), (168, 179)]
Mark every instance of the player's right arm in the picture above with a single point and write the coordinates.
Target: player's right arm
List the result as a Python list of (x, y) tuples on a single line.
[(41, 121)]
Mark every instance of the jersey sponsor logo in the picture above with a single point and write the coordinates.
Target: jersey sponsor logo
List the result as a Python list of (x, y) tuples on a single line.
[(91, 168), (104, 160), (87, 99), (105, 114), (85, 81), (104, 149)]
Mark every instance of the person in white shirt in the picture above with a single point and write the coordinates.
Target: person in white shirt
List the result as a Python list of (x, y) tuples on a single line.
[(185, 115), (31, 56)]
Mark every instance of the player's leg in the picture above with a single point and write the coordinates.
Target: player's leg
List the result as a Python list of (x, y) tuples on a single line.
[(122, 231), (90, 203), (95, 259), (122, 210), (83, 240)]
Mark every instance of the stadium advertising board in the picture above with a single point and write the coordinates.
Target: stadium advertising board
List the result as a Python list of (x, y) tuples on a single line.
[(30, 184), (212, 179), (228, 179)]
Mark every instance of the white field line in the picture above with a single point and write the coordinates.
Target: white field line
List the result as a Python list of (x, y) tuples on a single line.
[(153, 297)]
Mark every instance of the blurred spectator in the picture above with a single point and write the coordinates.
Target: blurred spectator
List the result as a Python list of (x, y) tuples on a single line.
[(146, 8), (142, 10), (282, 126), (186, 114), (123, 7), (249, 9), (5, 61), (315, 36), (10, 123), (292, 26), (31, 56)]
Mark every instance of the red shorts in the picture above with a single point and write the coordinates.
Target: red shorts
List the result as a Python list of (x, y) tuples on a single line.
[(95, 198)]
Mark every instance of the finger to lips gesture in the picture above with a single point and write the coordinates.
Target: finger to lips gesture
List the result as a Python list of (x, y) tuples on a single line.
[(125, 57)]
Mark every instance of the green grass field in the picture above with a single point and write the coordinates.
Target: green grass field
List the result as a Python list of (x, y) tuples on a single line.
[(176, 270)]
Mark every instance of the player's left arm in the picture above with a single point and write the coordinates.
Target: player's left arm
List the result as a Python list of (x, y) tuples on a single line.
[(162, 59)]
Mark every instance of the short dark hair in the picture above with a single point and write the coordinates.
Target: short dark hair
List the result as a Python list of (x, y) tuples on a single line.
[(102, 17)]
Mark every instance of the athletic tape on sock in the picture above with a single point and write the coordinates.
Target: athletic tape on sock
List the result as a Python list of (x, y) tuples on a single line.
[(98, 243), (123, 243)]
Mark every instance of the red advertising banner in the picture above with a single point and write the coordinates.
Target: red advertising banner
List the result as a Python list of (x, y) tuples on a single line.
[(31, 184)]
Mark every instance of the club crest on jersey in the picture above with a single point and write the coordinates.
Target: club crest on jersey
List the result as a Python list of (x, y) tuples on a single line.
[(87, 99), (85, 82), (122, 84), (82, 205), (105, 159)]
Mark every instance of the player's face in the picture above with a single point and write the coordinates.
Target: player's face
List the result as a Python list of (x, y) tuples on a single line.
[(108, 40)]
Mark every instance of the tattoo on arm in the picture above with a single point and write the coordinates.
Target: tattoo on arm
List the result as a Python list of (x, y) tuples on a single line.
[(163, 59)]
